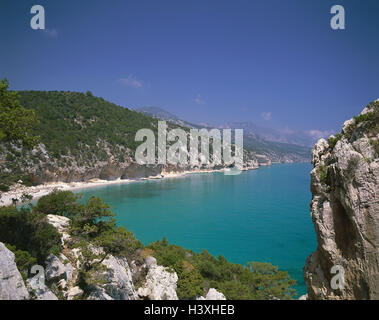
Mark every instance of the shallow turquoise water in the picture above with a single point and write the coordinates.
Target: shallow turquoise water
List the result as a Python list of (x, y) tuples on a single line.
[(259, 215)]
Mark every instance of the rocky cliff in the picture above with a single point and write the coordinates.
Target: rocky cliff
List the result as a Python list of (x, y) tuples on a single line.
[(345, 212), (114, 281), (12, 286)]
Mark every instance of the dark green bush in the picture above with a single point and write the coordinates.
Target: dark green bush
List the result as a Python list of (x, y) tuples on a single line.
[(29, 231), (4, 188), (322, 170), (332, 141), (63, 203), (363, 117), (197, 272), (23, 259)]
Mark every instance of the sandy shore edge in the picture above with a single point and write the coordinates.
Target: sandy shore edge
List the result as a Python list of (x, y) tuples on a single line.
[(16, 191)]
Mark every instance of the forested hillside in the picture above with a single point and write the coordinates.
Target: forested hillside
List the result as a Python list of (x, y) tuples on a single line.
[(73, 121), (81, 137)]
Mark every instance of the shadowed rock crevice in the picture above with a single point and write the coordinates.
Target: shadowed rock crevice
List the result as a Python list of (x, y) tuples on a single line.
[(345, 233)]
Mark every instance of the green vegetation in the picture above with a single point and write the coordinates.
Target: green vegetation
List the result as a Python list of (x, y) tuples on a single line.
[(322, 171), (332, 141), (363, 117), (23, 259), (28, 230), (61, 203), (81, 130), (79, 124), (373, 121), (370, 122), (16, 122), (92, 226), (4, 188), (198, 272), (76, 129)]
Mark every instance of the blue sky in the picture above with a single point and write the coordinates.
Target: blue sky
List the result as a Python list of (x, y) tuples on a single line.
[(276, 63)]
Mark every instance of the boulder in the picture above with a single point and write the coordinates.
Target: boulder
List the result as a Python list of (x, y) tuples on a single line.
[(160, 283), (74, 293), (213, 294)]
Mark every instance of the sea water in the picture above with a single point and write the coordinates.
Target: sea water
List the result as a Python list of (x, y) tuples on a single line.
[(260, 215)]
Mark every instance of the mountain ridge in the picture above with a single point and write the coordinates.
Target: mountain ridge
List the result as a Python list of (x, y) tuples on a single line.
[(277, 152)]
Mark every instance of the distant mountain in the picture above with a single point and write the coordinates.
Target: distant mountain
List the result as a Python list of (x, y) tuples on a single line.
[(302, 138), (159, 113), (262, 141)]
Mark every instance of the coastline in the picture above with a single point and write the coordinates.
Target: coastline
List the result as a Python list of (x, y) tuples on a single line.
[(17, 190)]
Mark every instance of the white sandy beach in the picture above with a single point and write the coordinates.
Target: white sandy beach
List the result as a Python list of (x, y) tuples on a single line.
[(17, 190)]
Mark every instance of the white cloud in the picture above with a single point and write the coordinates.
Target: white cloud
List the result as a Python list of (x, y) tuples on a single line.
[(266, 116), (130, 81), (318, 134), (287, 130), (199, 100), (53, 33)]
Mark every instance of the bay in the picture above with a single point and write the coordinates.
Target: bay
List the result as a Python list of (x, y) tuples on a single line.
[(260, 215)]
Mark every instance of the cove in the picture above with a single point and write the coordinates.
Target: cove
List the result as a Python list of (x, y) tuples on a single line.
[(260, 215)]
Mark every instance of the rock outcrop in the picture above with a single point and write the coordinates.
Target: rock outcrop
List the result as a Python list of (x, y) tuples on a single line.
[(345, 212), (40, 290), (160, 282), (213, 294), (57, 270), (115, 280), (118, 281), (12, 286), (61, 224)]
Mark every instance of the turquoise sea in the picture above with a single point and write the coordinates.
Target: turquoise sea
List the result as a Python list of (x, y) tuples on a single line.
[(260, 215)]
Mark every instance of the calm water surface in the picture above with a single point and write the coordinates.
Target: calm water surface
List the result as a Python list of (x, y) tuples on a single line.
[(259, 215)]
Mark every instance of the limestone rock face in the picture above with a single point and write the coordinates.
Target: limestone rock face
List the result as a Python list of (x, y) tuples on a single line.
[(160, 283), (345, 212), (213, 294), (119, 283), (56, 270), (12, 286), (74, 293), (41, 291), (61, 224)]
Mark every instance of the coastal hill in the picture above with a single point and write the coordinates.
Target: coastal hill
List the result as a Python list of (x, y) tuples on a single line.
[(83, 137), (83, 252), (345, 211)]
